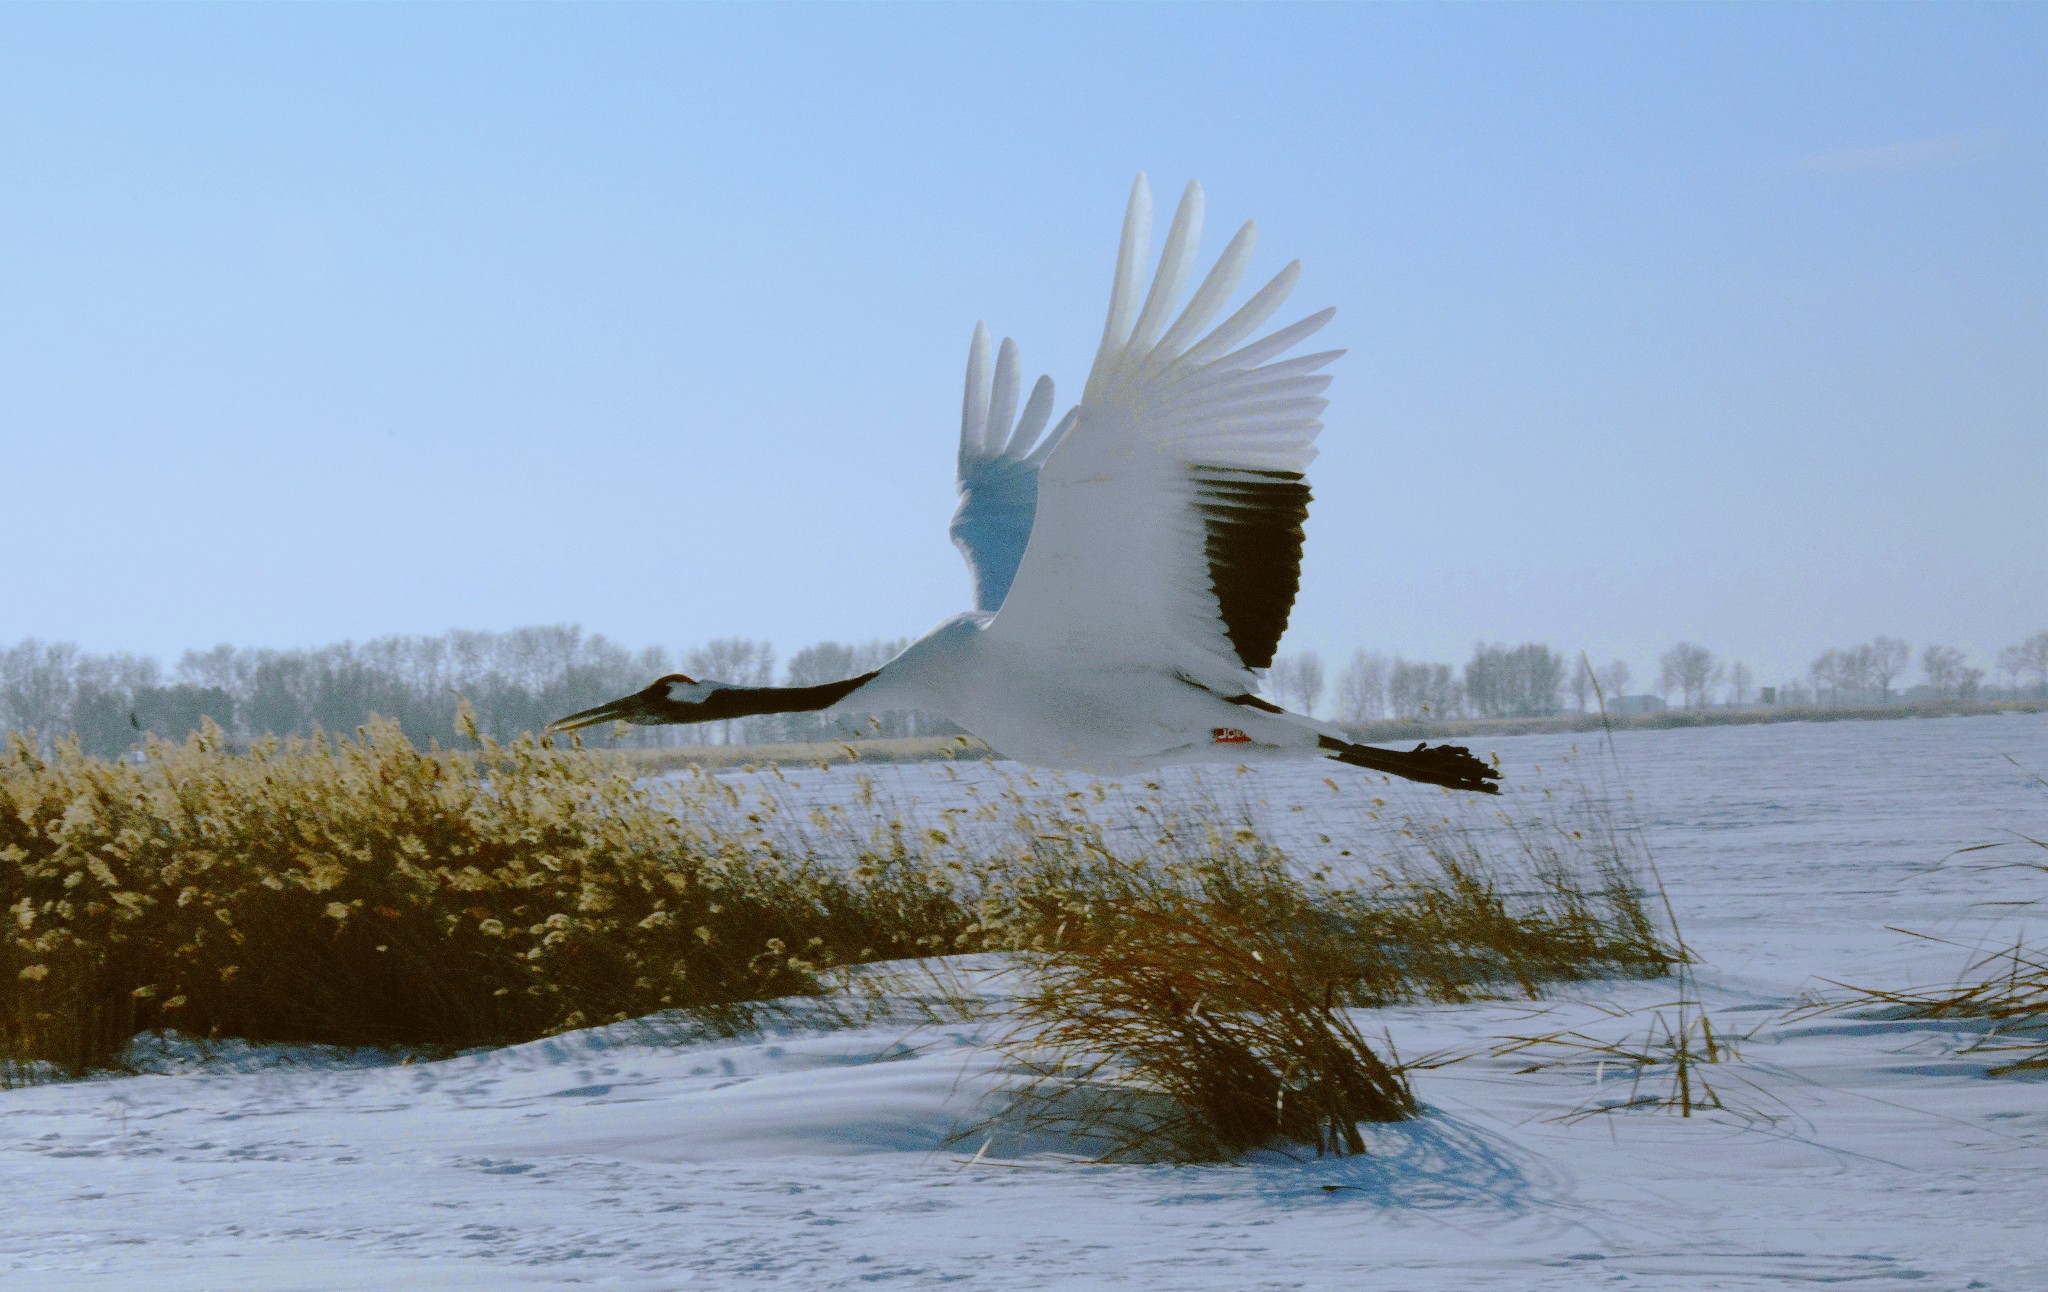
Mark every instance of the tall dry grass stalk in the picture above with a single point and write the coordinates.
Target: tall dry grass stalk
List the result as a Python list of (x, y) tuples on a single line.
[(1675, 1064)]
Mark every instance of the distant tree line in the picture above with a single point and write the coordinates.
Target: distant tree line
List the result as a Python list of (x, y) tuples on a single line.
[(1532, 679), (1497, 682), (518, 681), (515, 681)]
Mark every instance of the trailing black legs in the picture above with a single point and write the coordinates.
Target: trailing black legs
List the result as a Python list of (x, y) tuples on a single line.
[(1451, 766)]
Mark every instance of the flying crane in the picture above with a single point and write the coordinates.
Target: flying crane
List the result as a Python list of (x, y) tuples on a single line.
[(1134, 567)]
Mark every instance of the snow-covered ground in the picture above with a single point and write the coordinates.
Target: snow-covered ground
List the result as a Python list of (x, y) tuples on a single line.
[(1863, 1152)]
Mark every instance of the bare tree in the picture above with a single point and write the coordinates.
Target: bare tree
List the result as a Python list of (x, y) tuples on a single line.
[(1739, 681), (1826, 676), (2012, 666), (1362, 688), (1581, 683), (1510, 683), (1856, 680), (219, 667), (1279, 680), (1968, 679), (1614, 679), (1308, 680), (1488, 687), (1690, 670), (37, 687), (2033, 661), (106, 690), (1888, 658), (1942, 666), (1669, 678), (1297, 680), (1416, 690)]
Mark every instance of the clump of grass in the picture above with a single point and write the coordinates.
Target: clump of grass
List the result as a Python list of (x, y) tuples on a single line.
[(1193, 1008), (362, 892), (2006, 989), (1193, 1029), (1673, 1065), (1670, 1065)]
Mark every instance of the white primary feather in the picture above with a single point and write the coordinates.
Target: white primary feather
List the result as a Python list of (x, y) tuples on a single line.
[(1179, 444), (999, 459)]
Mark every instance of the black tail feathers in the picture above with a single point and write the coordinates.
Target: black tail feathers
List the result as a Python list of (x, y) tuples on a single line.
[(1451, 766)]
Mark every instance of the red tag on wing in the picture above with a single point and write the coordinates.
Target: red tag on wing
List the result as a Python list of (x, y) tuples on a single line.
[(1229, 736)]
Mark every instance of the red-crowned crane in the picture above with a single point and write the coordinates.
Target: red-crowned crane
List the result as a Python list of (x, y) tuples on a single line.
[(1133, 569)]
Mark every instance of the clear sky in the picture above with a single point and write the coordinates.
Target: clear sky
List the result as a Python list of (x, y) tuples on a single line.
[(1720, 323)]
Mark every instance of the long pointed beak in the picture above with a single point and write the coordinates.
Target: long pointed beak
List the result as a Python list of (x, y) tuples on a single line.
[(631, 708)]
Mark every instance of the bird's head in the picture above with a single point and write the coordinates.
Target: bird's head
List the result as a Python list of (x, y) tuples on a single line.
[(674, 698)]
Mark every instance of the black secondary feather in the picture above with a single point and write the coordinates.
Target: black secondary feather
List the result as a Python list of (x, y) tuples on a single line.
[(1253, 537)]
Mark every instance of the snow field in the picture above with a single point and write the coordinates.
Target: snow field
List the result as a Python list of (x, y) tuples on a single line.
[(1863, 1152)]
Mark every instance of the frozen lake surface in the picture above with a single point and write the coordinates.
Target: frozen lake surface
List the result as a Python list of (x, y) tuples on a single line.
[(814, 1158)]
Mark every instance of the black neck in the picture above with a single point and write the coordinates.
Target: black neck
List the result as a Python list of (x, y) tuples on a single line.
[(747, 701)]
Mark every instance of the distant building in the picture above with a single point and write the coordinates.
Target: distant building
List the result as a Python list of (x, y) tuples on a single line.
[(1770, 695), (1629, 705)]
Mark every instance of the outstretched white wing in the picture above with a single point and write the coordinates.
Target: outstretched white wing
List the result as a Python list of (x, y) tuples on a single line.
[(999, 464), (1169, 516)]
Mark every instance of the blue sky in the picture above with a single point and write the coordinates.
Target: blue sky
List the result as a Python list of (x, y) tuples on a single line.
[(1720, 323)]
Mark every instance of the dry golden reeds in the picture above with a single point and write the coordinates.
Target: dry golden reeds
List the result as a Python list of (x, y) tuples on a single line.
[(2006, 990), (359, 891), (1192, 1029), (1194, 1008)]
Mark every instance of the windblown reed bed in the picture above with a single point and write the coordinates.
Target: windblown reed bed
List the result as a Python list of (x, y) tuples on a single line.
[(361, 892), (1192, 1008), (358, 891), (1191, 1028)]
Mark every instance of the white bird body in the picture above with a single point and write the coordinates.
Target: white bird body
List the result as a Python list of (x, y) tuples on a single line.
[(1134, 569), (1030, 703)]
